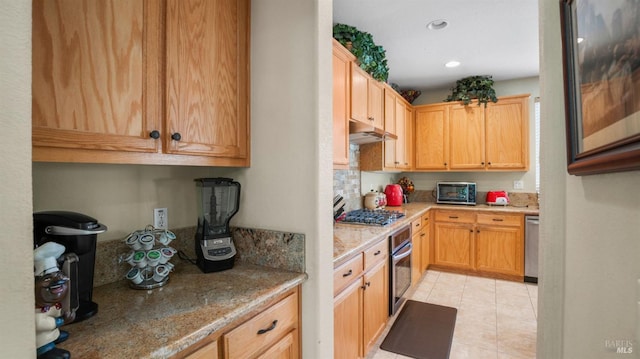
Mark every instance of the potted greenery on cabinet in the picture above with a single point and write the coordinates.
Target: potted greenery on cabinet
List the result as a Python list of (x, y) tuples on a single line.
[(473, 88), (371, 57)]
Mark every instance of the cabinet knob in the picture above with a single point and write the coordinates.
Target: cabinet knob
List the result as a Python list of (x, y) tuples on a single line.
[(482, 163), (371, 119), (176, 136), (155, 134), (445, 164), (489, 163), (471, 231)]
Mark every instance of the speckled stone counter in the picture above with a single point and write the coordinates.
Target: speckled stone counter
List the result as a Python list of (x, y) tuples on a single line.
[(349, 239), (161, 322)]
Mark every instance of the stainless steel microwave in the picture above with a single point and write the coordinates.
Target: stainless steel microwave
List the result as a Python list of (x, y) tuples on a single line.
[(456, 193)]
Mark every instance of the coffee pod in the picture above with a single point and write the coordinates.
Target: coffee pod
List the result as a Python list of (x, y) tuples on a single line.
[(169, 266), (129, 258), (147, 241), (160, 273), (140, 259), (133, 241), (153, 257), (165, 255), (134, 275), (166, 237)]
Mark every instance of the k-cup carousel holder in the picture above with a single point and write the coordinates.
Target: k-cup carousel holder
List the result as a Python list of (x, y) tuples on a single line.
[(149, 257)]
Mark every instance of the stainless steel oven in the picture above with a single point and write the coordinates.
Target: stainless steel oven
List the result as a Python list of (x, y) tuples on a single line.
[(400, 267)]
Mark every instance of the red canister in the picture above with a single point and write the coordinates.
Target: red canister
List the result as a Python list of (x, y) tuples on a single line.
[(394, 195)]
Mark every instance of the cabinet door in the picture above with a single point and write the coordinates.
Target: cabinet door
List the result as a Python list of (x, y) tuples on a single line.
[(341, 89), (209, 351), (359, 94), (416, 258), (207, 82), (453, 244), (401, 142), (94, 85), (426, 242), (389, 111), (285, 348), (408, 143), (508, 134), (431, 137), (466, 137), (500, 249), (375, 304), (375, 103), (347, 322)]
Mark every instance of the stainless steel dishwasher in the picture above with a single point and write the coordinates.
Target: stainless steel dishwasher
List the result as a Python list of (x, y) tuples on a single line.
[(531, 248)]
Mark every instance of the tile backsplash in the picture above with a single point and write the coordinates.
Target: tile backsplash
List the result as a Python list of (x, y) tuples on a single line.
[(347, 182)]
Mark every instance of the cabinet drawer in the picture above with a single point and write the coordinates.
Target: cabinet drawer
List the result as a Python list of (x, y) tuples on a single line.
[(416, 226), (500, 219), (455, 216), (261, 331), (209, 351), (375, 254), (346, 273), (425, 220)]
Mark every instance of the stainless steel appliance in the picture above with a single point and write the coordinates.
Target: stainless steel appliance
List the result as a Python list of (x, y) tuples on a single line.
[(400, 267), (372, 217), (78, 234), (531, 232), (219, 199), (456, 193)]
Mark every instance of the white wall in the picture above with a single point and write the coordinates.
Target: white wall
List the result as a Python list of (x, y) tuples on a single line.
[(17, 337), (590, 243)]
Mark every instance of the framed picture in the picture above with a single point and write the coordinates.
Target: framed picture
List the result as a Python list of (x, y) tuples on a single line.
[(601, 58)]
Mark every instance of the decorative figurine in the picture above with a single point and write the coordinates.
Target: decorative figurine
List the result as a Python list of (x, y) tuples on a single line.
[(51, 286)]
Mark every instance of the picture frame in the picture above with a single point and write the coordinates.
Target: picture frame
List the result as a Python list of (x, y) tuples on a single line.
[(601, 61)]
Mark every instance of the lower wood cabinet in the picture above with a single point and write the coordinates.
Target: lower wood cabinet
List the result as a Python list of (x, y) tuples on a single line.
[(361, 306), (272, 333), (487, 243)]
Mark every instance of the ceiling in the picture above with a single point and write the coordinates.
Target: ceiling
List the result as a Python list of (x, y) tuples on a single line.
[(488, 37)]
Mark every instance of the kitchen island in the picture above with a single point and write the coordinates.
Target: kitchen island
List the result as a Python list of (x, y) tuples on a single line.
[(162, 322)]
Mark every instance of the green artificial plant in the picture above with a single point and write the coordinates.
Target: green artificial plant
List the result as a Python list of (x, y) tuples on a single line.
[(371, 57), (473, 88)]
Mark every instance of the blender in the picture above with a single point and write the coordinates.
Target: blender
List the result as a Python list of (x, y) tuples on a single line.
[(219, 199)]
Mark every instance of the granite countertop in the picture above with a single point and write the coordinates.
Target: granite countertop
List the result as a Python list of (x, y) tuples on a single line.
[(349, 239), (161, 322)]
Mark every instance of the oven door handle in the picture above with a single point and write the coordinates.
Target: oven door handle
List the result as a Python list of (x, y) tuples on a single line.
[(403, 253)]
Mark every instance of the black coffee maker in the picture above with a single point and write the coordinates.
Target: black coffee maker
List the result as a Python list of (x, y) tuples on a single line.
[(78, 233), (218, 201)]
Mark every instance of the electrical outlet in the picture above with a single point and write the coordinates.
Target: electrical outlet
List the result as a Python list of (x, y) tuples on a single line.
[(518, 185), (160, 218)]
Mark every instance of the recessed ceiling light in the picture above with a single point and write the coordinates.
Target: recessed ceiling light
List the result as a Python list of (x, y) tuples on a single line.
[(437, 24), (451, 64)]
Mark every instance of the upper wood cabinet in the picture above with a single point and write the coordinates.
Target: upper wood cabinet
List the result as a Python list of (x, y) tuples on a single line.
[(390, 110), (141, 81), (367, 98), (507, 128), (342, 59), (431, 137), (450, 136), (466, 137)]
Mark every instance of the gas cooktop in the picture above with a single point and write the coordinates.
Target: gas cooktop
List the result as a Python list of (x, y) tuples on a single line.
[(371, 217)]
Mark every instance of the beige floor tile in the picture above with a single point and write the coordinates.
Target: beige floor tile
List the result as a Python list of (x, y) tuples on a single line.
[(496, 319), (464, 351)]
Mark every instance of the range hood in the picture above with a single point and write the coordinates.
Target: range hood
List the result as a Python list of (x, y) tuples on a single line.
[(360, 133)]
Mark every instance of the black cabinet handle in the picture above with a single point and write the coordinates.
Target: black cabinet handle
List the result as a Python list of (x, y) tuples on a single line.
[(445, 164), (377, 253), (272, 327), (489, 163), (176, 136), (155, 134), (482, 163), (350, 272), (471, 231), (453, 217), (497, 219)]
